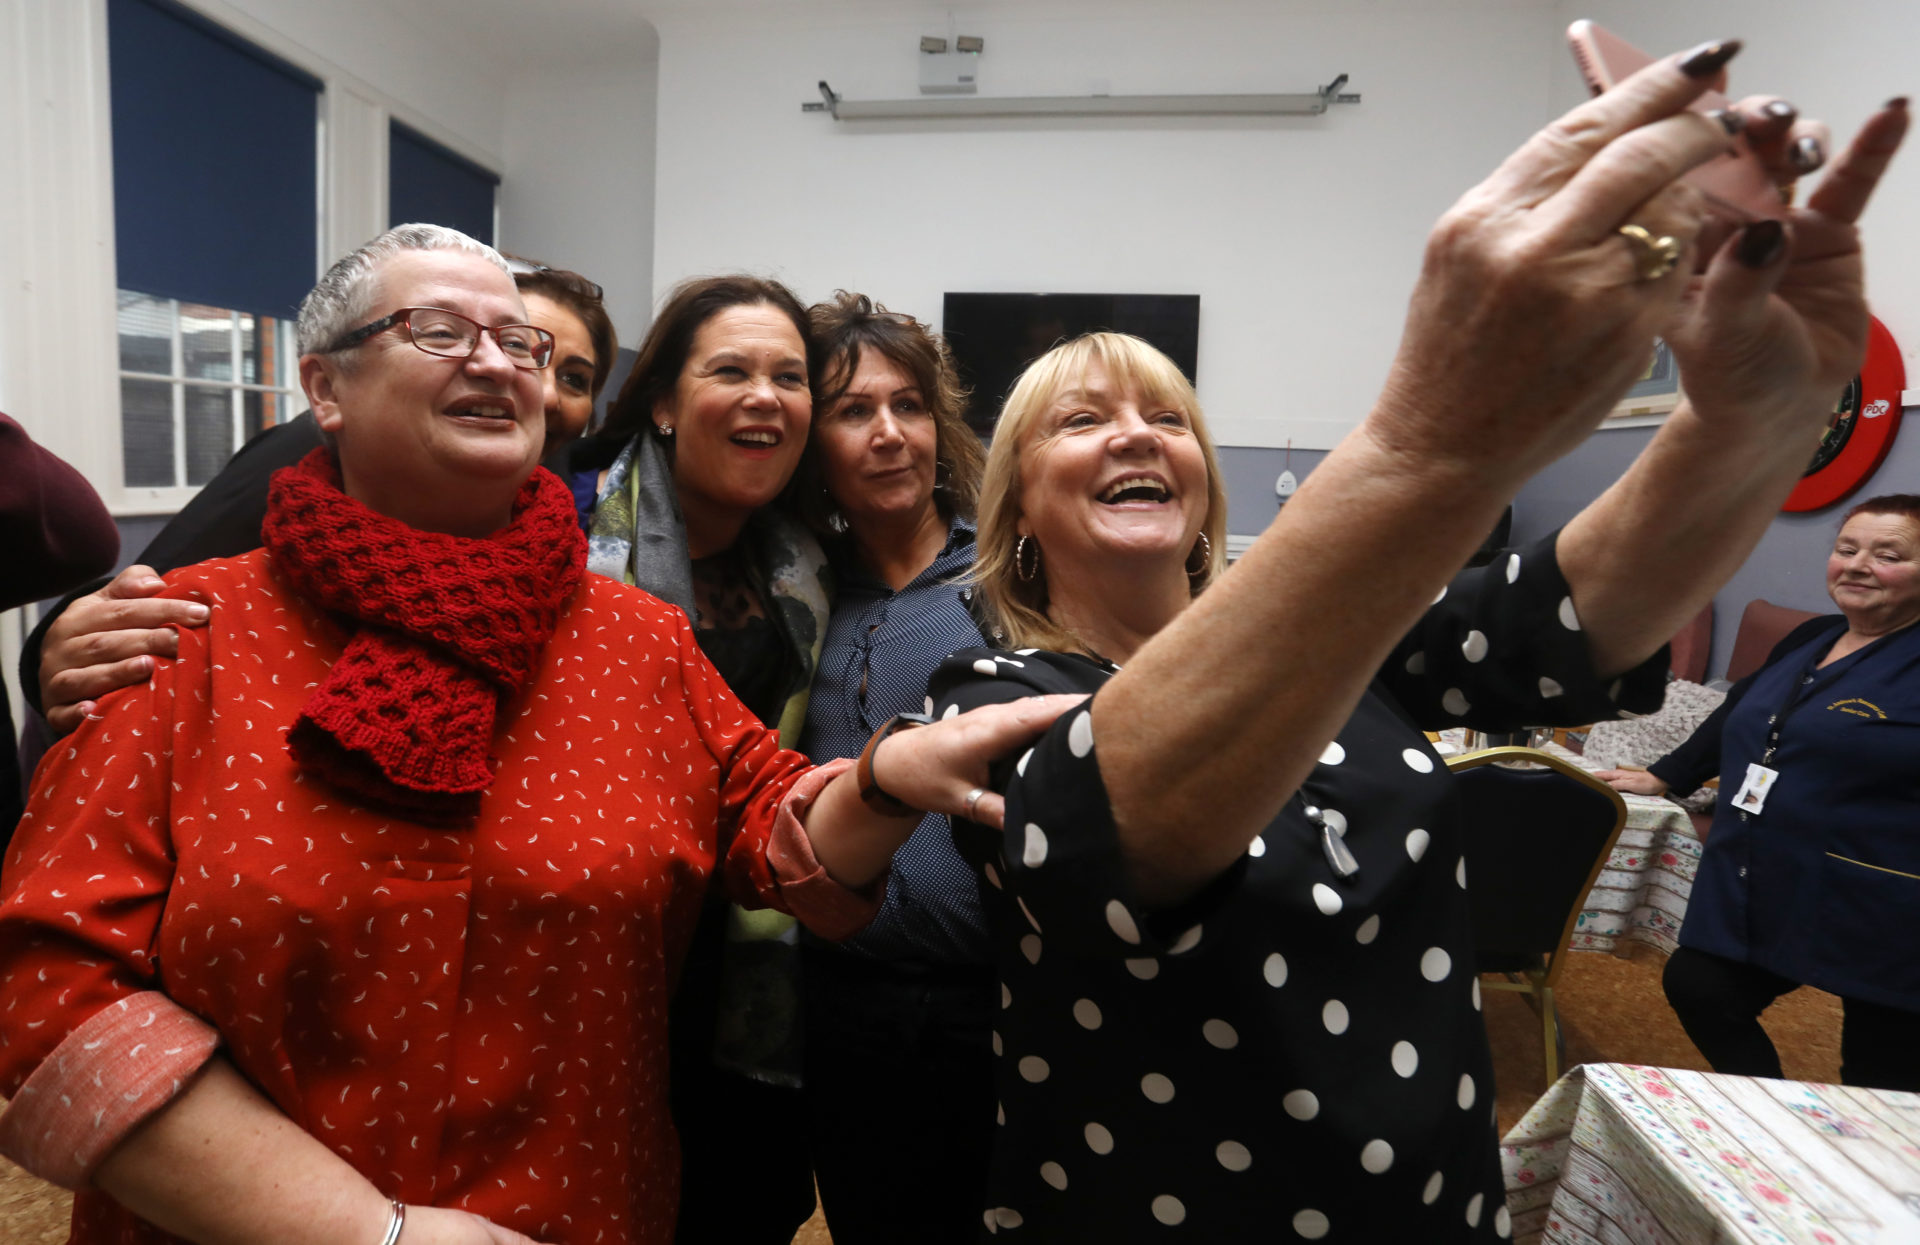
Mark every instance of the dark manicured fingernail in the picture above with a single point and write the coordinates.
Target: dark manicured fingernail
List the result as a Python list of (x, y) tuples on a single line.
[(1760, 243), (1730, 121), (1805, 154), (1898, 101), (1709, 58), (1780, 108)]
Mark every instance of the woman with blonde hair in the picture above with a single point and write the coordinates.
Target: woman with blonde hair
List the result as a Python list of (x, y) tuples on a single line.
[(1237, 988), (1010, 573)]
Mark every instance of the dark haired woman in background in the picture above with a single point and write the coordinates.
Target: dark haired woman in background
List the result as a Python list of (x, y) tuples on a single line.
[(574, 310), (902, 1013)]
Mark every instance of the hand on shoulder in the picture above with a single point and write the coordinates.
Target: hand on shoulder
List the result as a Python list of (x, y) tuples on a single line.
[(107, 640)]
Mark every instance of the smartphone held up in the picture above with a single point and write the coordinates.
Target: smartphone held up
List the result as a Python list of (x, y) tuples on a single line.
[(1736, 185)]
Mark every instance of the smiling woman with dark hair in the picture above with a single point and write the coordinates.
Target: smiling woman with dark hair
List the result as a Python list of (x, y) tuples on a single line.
[(575, 310), (704, 437), (904, 1011), (687, 475)]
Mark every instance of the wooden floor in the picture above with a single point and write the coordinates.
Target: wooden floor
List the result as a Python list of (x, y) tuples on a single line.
[(1612, 1011), (31, 1212)]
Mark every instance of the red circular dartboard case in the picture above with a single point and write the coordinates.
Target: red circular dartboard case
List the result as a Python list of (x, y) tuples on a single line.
[(1864, 422)]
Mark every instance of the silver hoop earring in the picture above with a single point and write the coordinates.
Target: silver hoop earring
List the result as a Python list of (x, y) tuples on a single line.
[(1205, 550), (1020, 566)]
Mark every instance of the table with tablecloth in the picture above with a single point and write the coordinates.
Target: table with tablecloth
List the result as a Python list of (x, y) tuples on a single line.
[(1641, 894), (1616, 1154)]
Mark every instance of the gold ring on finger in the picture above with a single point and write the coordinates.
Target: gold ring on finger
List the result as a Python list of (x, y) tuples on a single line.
[(1653, 257)]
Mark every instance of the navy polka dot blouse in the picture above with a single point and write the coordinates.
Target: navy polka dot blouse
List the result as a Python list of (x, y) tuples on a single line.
[(1292, 1054)]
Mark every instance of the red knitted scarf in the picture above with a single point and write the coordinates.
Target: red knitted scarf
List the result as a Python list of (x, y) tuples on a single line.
[(443, 626)]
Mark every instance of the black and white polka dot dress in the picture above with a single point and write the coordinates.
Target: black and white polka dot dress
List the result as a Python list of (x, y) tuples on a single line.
[(1289, 1055)]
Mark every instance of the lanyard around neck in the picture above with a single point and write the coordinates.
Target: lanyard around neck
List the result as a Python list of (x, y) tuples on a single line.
[(1796, 697)]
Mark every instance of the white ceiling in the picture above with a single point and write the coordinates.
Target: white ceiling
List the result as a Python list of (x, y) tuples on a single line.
[(542, 32), (558, 32)]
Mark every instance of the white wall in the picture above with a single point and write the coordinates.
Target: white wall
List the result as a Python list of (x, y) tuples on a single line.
[(580, 177), (1838, 62), (56, 230), (1301, 235)]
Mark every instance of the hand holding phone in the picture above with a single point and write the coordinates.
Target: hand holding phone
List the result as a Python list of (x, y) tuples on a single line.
[(1736, 185)]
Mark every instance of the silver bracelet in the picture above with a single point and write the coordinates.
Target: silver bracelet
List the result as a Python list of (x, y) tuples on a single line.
[(394, 1225)]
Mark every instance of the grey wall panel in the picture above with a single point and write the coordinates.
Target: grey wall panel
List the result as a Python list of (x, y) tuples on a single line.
[(1249, 474), (1789, 565)]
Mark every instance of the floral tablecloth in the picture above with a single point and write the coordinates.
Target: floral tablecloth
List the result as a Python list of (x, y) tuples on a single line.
[(1616, 1154), (1641, 895)]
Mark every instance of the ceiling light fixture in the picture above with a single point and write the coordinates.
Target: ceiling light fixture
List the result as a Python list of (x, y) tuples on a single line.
[(1300, 104)]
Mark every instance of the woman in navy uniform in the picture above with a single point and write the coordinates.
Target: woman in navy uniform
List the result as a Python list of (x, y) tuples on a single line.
[(1812, 868)]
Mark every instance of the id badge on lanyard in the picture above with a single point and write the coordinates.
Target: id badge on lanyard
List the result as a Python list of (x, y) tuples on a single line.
[(1751, 799)]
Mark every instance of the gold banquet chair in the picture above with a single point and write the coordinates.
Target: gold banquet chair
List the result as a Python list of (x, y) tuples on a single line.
[(1537, 837)]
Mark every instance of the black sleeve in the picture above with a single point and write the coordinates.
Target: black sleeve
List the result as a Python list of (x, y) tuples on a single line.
[(1687, 768), (973, 677), (222, 521), (1501, 649), (1058, 859)]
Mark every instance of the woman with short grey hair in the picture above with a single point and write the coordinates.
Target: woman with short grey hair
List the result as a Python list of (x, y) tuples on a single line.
[(342, 296), (359, 921)]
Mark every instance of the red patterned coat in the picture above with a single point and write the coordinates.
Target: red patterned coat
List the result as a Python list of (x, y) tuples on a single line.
[(474, 1018)]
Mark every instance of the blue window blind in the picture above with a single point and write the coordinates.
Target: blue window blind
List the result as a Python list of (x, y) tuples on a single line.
[(426, 182), (214, 181)]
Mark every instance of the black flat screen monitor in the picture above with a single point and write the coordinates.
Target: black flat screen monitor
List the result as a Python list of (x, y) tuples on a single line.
[(995, 336)]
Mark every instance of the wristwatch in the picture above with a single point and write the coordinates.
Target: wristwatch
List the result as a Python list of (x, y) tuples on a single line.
[(870, 793)]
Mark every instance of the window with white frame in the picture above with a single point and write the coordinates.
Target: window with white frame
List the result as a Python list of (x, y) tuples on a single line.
[(214, 249), (195, 383)]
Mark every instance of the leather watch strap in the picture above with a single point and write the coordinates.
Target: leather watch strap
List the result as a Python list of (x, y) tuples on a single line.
[(870, 793)]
